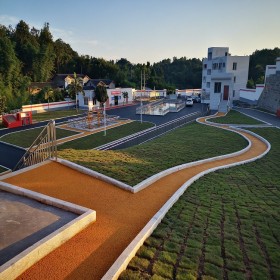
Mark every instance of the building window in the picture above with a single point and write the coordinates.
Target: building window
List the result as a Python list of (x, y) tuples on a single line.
[(208, 85), (208, 71), (233, 93), (224, 65), (217, 87), (220, 65), (210, 56), (234, 79), (204, 79), (85, 100), (234, 66), (205, 66)]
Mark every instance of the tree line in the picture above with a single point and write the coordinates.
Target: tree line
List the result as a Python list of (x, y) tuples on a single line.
[(31, 55)]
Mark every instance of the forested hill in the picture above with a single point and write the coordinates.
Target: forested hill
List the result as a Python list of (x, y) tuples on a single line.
[(40, 57), (31, 55)]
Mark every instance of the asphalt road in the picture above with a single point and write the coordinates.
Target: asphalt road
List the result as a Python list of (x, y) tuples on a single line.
[(9, 155), (266, 117), (130, 113)]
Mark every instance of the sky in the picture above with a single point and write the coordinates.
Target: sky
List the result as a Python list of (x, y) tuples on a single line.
[(152, 30)]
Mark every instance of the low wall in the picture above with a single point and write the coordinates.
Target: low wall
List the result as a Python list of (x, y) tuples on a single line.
[(43, 107)]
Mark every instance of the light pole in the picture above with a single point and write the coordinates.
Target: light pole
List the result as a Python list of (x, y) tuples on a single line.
[(104, 119), (141, 104)]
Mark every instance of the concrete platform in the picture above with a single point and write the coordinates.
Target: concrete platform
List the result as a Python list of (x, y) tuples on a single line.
[(24, 221), (32, 225)]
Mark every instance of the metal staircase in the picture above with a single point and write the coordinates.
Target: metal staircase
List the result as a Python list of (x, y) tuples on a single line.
[(44, 147)]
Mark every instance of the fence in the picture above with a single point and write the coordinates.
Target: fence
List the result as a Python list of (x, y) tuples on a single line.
[(149, 134), (43, 148), (43, 107), (161, 107)]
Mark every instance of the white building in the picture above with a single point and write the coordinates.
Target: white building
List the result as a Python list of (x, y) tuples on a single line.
[(223, 76), (116, 96)]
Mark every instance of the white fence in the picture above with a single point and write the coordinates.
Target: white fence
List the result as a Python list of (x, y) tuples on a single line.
[(43, 107)]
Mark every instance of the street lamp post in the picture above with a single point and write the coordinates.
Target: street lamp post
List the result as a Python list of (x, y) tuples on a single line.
[(105, 132)]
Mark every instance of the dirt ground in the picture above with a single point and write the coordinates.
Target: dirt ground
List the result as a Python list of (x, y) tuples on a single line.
[(120, 214)]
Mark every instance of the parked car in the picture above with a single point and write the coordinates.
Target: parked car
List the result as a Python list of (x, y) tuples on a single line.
[(189, 102), (196, 99)]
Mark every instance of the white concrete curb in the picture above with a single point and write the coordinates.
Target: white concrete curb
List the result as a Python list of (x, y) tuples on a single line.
[(17, 265)]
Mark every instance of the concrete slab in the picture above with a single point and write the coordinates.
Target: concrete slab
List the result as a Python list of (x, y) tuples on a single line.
[(24, 221), (32, 225)]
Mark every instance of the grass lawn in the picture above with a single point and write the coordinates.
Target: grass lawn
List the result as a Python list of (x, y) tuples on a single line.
[(225, 226), (234, 117), (180, 146), (55, 114), (98, 139), (26, 137), (2, 169)]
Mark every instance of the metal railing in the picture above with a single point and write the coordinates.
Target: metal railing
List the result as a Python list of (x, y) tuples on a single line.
[(149, 134), (44, 147), (161, 107)]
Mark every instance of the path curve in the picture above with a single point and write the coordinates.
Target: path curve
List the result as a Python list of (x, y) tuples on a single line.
[(121, 215)]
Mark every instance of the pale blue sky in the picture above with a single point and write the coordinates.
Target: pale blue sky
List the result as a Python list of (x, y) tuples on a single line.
[(152, 30)]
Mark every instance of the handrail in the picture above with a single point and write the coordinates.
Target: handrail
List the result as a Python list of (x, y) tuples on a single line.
[(42, 148)]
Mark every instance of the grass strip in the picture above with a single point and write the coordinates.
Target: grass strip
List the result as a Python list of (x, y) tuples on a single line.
[(98, 139), (2, 169), (26, 137), (234, 117), (137, 163), (55, 114), (241, 206)]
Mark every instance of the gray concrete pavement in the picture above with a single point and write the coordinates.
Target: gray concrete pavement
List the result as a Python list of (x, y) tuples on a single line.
[(24, 221)]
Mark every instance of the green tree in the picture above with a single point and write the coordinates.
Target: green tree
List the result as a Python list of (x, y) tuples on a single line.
[(250, 83), (3, 106), (44, 62), (48, 95), (101, 94), (74, 88), (63, 54), (125, 96), (26, 46), (258, 61), (13, 85)]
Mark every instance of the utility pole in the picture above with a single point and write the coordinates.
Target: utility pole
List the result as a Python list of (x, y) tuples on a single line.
[(141, 104)]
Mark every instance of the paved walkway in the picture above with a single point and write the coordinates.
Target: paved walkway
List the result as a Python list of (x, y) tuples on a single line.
[(266, 117), (120, 214)]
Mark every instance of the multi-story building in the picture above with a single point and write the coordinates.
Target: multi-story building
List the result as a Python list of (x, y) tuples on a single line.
[(223, 76)]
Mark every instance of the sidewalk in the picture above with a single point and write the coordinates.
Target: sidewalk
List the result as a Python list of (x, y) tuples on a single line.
[(120, 214)]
